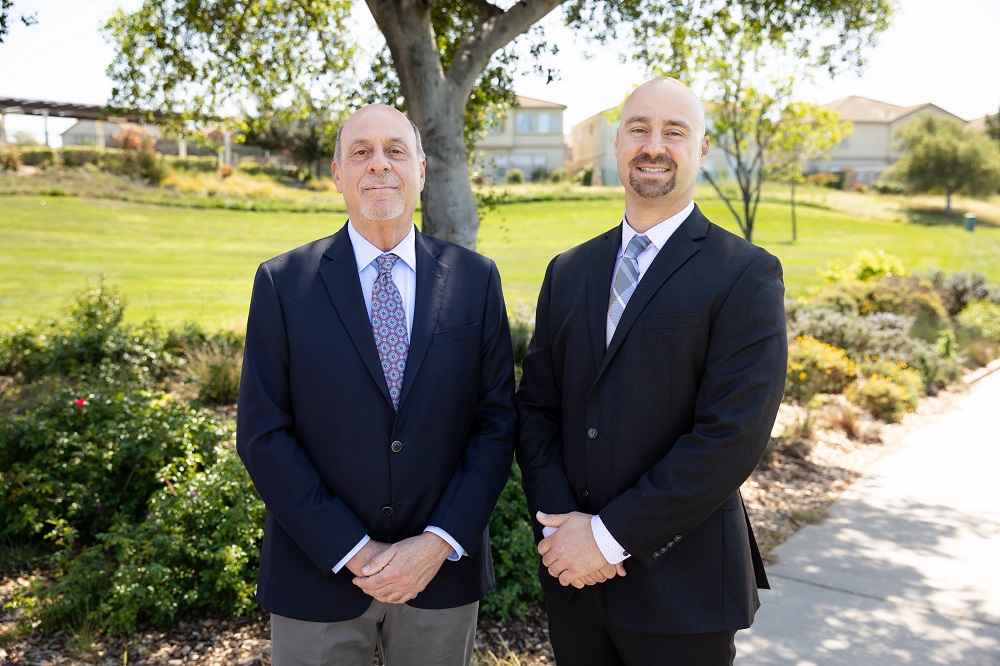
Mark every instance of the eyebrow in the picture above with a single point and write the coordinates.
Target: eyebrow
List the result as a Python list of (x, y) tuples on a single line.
[(390, 140), (646, 120)]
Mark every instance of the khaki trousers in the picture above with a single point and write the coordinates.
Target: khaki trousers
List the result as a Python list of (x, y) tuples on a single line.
[(404, 636)]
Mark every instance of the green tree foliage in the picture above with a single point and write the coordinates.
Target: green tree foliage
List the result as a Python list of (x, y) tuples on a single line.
[(941, 156), (993, 127), (449, 62), (809, 132), (753, 119)]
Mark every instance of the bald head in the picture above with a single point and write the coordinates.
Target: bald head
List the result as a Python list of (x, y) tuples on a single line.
[(665, 93)]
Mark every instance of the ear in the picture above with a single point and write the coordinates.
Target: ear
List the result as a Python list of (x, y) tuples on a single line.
[(423, 174), (704, 151), (335, 172)]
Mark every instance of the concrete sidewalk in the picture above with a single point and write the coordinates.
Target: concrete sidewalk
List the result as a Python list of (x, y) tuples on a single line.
[(906, 568)]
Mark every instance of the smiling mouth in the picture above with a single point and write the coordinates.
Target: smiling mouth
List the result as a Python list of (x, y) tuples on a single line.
[(651, 169)]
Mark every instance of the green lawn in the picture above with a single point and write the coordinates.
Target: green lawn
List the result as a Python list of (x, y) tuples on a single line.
[(188, 264)]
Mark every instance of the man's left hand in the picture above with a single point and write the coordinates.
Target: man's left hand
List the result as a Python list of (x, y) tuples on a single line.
[(403, 570), (571, 553)]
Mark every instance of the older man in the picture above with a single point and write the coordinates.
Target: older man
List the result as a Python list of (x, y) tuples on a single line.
[(649, 391), (376, 420)]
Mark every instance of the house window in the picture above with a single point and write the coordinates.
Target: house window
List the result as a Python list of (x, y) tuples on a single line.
[(531, 122)]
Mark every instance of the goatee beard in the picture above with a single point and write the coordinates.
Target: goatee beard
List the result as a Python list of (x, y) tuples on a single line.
[(652, 190)]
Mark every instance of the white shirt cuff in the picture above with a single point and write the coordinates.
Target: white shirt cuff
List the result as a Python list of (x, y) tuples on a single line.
[(457, 552), (347, 558), (612, 550)]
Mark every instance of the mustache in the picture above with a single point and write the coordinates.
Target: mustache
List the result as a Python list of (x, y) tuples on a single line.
[(649, 160), (384, 180)]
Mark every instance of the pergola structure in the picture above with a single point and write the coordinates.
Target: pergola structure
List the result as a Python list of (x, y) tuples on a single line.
[(46, 110), (32, 107)]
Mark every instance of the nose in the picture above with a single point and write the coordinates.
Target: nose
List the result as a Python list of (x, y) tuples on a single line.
[(378, 162), (654, 145)]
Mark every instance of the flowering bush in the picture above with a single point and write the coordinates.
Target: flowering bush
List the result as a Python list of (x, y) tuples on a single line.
[(886, 389), (816, 367), (867, 266), (76, 463)]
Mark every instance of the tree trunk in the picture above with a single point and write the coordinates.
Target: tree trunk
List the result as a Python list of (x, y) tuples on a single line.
[(436, 99), (947, 202)]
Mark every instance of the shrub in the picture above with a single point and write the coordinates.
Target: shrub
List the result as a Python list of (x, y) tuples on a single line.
[(274, 170), (889, 187), (77, 156), (957, 290), (520, 333), (197, 550), (198, 164), (10, 157), (585, 176), (867, 266), (515, 177), (515, 558), (881, 334), (214, 367), (832, 180), (95, 344), (558, 176), (83, 459), (905, 295), (979, 329), (886, 389), (981, 319), (38, 156), (816, 367)]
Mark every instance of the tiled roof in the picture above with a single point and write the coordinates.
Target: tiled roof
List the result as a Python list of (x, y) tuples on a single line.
[(859, 109), (532, 103)]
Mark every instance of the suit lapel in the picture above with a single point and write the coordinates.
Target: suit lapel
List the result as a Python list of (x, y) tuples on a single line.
[(602, 264), (432, 276), (679, 248), (340, 275)]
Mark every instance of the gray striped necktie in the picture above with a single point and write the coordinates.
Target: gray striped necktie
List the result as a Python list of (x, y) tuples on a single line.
[(626, 279)]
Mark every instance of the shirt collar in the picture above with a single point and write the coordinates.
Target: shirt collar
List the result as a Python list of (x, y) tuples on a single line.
[(659, 233), (365, 253)]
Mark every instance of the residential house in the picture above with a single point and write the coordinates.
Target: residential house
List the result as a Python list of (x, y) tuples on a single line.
[(593, 143), (530, 138), (870, 148)]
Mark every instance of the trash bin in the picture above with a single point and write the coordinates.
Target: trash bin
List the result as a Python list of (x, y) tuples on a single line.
[(970, 221)]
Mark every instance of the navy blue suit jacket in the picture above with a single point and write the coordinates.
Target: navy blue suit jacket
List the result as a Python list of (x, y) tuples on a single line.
[(657, 432), (333, 462)]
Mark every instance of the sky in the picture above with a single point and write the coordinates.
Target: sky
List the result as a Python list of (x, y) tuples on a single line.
[(944, 53)]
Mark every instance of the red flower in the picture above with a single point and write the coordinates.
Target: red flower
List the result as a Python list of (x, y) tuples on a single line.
[(82, 402)]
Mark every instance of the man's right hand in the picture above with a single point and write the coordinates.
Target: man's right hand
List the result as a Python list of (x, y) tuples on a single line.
[(365, 555)]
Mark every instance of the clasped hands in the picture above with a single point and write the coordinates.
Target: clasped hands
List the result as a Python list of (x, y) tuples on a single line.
[(571, 553), (397, 572)]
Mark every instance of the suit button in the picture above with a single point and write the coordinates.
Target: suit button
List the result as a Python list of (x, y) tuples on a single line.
[(670, 545), (663, 549), (678, 537), (592, 433), (586, 493), (656, 554), (396, 446), (387, 511)]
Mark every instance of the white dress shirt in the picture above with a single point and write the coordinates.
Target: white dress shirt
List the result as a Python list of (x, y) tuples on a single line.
[(404, 275)]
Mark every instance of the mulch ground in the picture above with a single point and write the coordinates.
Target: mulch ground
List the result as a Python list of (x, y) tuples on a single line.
[(793, 486)]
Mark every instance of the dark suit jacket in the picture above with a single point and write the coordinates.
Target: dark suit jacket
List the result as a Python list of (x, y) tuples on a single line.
[(330, 458), (657, 433)]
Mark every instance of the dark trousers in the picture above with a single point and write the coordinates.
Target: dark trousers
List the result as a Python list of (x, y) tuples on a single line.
[(582, 634)]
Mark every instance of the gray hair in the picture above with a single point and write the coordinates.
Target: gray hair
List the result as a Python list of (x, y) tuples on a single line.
[(416, 133)]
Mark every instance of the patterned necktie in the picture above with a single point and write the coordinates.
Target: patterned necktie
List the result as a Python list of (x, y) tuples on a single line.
[(626, 279), (389, 326)]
